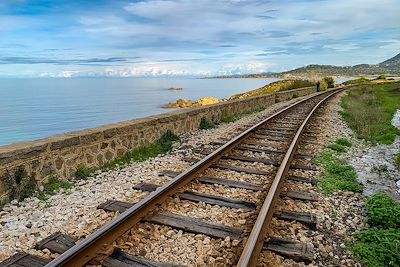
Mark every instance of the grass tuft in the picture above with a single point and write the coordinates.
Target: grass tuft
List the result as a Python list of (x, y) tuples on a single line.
[(52, 187), (205, 124), (82, 173), (343, 142), (337, 175), (161, 146), (340, 145), (336, 147)]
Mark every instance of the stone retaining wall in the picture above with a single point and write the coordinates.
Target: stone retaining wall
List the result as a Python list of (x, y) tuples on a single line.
[(62, 155)]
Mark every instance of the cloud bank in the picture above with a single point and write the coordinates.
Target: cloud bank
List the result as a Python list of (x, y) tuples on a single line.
[(183, 37)]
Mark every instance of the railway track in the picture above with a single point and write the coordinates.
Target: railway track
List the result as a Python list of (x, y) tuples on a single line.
[(266, 151)]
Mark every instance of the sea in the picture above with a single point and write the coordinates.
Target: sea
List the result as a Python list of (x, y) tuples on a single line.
[(32, 109)]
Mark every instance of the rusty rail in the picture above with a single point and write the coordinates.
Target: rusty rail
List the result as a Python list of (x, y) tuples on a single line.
[(90, 247), (258, 234)]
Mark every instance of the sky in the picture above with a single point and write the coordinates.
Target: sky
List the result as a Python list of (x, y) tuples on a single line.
[(118, 38)]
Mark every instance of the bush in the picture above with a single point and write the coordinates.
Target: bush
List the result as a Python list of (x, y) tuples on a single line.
[(83, 172), (378, 247), (206, 124), (383, 211), (330, 82)]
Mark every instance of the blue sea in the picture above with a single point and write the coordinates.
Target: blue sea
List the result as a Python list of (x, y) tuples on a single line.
[(31, 109)]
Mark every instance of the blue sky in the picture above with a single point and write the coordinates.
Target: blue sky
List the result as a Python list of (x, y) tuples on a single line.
[(44, 38)]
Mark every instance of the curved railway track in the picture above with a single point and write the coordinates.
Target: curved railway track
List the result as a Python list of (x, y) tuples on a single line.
[(273, 142)]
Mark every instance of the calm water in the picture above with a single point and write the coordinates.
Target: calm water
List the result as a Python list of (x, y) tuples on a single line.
[(36, 108)]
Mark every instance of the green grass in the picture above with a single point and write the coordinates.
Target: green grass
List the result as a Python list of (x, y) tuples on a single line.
[(378, 247), (383, 211), (340, 145), (337, 175), (161, 146), (83, 173), (369, 109), (343, 142), (52, 187), (205, 124), (338, 148)]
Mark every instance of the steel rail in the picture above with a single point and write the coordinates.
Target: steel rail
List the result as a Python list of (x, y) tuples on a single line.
[(258, 234), (89, 248)]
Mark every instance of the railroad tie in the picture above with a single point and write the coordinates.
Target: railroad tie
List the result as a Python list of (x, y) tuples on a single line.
[(121, 259), (232, 168), (186, 223), (244, 158), (22, 259), (302, 179), (59, 243), (305, 218), (219, 181), (298, 195), (295, 250), (206, 198)]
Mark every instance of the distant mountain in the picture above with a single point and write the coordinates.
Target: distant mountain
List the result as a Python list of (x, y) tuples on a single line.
[(394, 61), (388, 67)]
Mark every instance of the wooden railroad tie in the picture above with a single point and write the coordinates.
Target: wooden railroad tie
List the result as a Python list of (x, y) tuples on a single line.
[(185, 223), (295, 250), (200, 197), (250, 171)]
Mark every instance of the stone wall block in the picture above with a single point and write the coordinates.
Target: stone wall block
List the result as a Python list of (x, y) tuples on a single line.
[(68, 141)]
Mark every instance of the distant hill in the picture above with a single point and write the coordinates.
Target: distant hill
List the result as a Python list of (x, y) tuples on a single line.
[(388, 67)]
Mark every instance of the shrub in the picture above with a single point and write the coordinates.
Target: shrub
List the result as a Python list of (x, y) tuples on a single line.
[(206, 124), (378, 247), (357, 81), (383, 211), (330, 82)]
